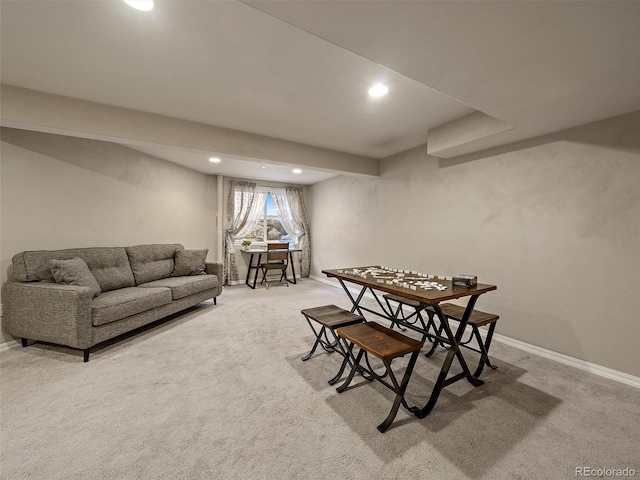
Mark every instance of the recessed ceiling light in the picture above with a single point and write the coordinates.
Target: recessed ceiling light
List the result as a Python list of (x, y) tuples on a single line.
[(378, 90), (214, 160), (143, 5), (296, 170), (263, 166)]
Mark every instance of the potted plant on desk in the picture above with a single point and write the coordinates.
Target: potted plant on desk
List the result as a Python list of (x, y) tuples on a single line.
[(245, 243)]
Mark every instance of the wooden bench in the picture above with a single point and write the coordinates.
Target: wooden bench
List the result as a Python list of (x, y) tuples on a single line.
[(477, 319), (386, 344), (330, 318)]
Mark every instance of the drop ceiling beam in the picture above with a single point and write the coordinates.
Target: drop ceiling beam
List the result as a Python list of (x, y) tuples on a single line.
[(444, 140), (39, 111)]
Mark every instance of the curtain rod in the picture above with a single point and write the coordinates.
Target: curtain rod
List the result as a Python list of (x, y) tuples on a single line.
[(272, 186)]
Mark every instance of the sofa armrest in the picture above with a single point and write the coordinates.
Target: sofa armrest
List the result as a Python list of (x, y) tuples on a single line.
[(214, 268), (48, 312)]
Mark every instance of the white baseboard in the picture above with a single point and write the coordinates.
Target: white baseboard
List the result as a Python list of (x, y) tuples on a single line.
[(543, 352), (571, 361), (10, 345)]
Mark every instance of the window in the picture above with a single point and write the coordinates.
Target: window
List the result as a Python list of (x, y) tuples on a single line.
[(269, 227), (249, 205)]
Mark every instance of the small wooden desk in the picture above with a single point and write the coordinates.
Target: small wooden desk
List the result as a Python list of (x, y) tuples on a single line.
[(251, 266), (428, 299)]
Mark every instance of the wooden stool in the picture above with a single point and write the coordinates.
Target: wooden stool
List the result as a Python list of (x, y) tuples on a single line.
[(330, 318), (476, 320), (386, 344)]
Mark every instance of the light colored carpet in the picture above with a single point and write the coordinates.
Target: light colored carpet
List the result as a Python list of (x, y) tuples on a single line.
[(220, 393)]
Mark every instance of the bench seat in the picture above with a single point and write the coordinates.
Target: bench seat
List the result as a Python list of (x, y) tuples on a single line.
[(385, 344)]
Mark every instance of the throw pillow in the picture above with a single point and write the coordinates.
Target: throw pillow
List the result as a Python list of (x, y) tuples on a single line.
[(74, 272), (190, 262)]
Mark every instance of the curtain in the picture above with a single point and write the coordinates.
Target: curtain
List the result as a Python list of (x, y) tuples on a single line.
[(290, 206), (245, 206)]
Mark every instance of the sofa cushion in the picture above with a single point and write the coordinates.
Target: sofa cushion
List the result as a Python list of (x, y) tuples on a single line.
[(185, 286), (122, 303), (152, 262), (109, 265), (75, 272), (190, 262)]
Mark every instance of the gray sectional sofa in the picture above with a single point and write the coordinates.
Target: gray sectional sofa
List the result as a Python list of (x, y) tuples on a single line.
[(137, 285)]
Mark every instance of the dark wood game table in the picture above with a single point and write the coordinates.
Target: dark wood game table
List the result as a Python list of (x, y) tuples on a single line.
[(429, 301)]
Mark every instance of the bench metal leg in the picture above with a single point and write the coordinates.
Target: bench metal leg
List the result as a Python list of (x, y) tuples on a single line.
[(399, 389), (316, 343), (350, 359), (347, 354), (399, 313), (354, 369), (435, 342), (484, 349), (325, 343), (482, 345)]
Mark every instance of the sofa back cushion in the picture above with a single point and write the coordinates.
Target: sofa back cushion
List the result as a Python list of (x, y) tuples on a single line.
[(152, 262), (109, 265)]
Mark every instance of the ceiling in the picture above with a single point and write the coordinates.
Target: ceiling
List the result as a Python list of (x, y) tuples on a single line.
[(236, 166), (300, 71)]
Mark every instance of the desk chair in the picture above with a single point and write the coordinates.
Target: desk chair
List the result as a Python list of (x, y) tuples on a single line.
[(277, 259)]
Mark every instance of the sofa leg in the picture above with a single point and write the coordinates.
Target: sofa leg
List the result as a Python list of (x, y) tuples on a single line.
[(24, 342), (86, 354), (214, 301)]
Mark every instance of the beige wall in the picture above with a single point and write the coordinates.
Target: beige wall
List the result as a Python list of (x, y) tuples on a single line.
[(63, 192), (553, 222)]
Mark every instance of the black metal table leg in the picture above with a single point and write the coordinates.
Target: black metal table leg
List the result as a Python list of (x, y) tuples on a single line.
[(437, 388), (257, 267), (355, 303), (453, 351), (293, 269), (246, 282)]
